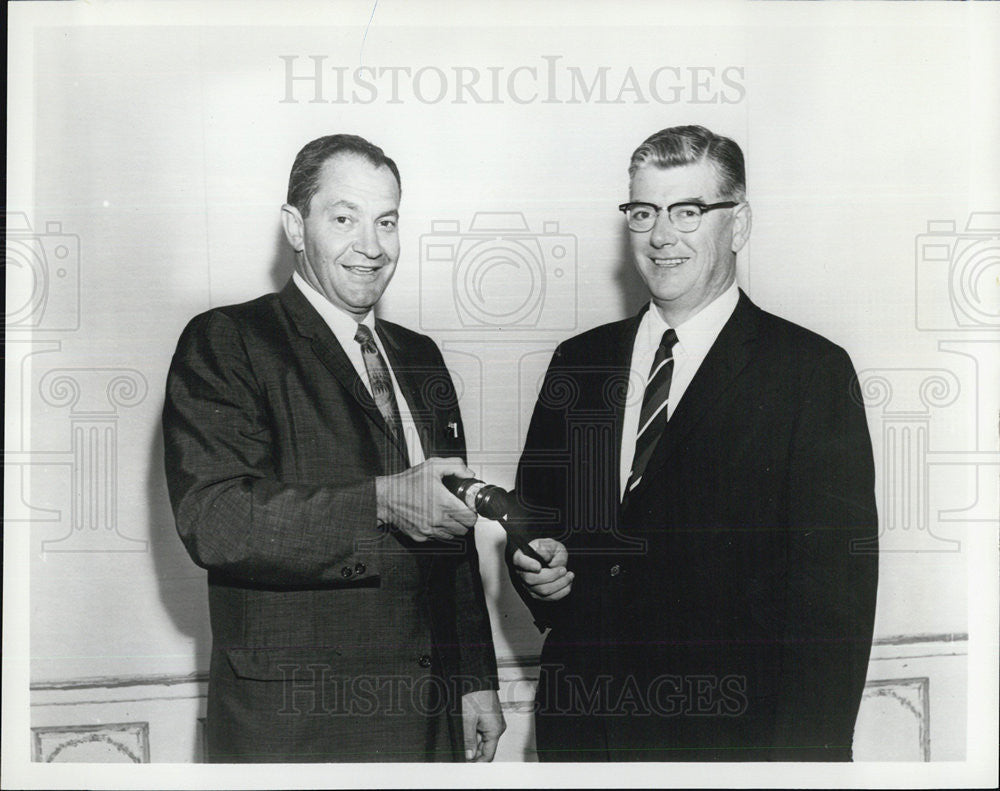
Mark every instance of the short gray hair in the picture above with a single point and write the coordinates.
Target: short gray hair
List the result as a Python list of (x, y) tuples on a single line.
[(688, 145)]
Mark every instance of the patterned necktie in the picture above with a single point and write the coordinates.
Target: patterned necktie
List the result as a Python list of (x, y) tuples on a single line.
[(381, 384), (653, 416)]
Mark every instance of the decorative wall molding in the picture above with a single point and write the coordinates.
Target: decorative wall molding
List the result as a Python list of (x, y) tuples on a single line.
[(125, 742), (115, 682), (898, 712), (909, 639)]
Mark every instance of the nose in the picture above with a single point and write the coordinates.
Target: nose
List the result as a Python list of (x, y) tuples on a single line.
[(663, 232), (367, 243)]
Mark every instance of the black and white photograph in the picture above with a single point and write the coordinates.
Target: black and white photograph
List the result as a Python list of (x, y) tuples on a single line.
[(604, 393)]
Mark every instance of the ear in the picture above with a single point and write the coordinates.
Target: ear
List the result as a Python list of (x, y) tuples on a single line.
[(742, 220), (292, 222)]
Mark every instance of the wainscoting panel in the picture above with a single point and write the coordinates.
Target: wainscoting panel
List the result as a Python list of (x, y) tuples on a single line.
[(895, 715), (916, 700), (125, 742)]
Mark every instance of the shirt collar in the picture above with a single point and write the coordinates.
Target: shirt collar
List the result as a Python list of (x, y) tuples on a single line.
[(343, 325), (696, 335)]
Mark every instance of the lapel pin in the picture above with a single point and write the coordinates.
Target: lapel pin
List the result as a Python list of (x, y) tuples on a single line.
[(453, 428)]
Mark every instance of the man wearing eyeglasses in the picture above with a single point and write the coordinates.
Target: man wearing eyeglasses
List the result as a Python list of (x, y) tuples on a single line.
[(701, 480)]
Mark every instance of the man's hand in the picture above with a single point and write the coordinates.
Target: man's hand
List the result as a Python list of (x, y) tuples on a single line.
[(545, 584), (482, 724), (418, 503)]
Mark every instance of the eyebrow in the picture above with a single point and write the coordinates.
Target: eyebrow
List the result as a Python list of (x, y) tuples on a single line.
[(346, 204), (673, 202), (342, 203)]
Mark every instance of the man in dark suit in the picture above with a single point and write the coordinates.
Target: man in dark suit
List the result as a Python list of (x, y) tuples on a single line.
[(306, 444), (703, 476)]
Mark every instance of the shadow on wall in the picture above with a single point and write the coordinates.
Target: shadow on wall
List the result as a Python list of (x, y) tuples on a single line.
[(632, 294), (283, 261), (183, 585)]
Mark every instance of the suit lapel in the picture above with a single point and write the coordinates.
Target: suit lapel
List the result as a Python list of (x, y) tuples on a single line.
[(729, 355), (328, 349)]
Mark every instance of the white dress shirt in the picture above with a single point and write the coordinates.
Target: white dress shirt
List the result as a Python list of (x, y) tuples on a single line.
[(344, 327), (694, 338)]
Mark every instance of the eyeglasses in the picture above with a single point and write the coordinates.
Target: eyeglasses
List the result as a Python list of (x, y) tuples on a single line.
[(685, 217)]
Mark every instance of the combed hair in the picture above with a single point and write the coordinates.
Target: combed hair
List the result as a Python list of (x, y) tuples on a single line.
[(689, 145), (303, 181)]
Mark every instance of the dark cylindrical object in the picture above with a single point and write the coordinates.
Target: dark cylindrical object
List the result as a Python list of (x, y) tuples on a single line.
[(493, 503), (483, 498)]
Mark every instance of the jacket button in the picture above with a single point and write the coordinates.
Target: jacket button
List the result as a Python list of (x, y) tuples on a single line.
[(346, 572), (616, 570), (360, 568), (425, 661)]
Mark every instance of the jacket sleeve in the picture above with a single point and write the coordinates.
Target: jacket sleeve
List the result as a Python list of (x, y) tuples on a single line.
[(233, 512), (542, 481), (832, 569)]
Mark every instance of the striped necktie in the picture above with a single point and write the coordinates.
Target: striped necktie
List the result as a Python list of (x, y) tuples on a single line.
[(653, 416), (381, 384)]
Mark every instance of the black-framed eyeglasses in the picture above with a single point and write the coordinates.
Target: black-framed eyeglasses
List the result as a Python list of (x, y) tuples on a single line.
[(685, 216)]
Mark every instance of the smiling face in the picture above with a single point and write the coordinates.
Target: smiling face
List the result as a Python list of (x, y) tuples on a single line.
[(686, 271), (348, 245)]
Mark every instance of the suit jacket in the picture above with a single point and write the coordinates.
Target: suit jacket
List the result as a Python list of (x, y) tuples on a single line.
[(725, 612), (333, 638)]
